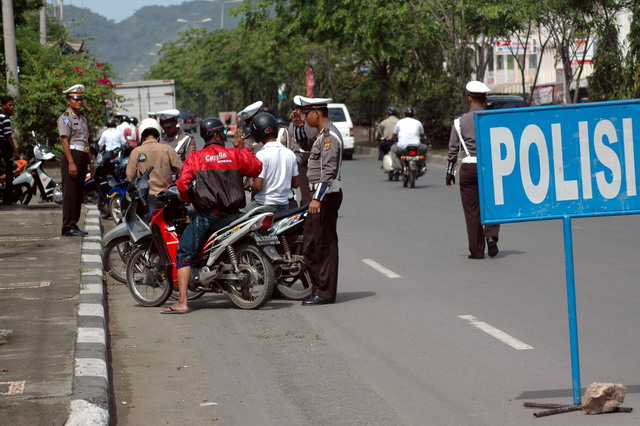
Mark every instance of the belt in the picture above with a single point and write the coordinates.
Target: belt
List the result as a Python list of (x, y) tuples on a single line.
[(83, 148), (467, 160)]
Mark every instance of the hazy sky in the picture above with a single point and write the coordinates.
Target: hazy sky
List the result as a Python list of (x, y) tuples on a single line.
[(117, 9)]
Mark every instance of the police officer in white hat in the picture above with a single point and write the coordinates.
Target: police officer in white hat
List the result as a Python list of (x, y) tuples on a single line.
[(320, 246), (462, 142), (173, 135), (303, 137), (74, 137), (243, 137)]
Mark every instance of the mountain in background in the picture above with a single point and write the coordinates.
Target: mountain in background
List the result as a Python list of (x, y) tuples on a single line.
[(132, 45)]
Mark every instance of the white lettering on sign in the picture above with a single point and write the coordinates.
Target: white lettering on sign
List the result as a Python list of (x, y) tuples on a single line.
[(501, 136), (532, 142), (532, 135)]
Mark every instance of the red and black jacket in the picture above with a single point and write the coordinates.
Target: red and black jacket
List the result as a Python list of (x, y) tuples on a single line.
[(217, 172)]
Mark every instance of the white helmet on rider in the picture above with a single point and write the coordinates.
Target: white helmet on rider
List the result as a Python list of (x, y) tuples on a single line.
[(148, 125)]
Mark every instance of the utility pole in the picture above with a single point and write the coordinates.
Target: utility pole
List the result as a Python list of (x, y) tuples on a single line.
[(10, 53), (43, 25), (62, 11), (54, 8)]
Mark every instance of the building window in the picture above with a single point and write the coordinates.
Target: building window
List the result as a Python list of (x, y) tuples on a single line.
[(500, 64), (510, 62), (490, 61), (533, 61)]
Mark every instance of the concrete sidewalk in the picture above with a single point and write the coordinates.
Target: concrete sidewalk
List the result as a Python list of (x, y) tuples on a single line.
[(53, 351)]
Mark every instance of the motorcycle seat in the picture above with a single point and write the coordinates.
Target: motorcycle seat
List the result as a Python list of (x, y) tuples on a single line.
[(290, 212)]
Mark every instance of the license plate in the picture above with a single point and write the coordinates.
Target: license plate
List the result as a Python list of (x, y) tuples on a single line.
[(266, 240)]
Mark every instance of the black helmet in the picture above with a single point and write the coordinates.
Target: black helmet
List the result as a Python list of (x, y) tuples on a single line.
[(392, 110), (133, 121), (210, 126), (262, 125), (408, 111), (124, 118), (112, 122)]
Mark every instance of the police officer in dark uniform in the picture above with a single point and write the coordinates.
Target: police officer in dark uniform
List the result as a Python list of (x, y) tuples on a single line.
[(74, 137), (173, 135), (463, 136), (243, 138), (320, 246)]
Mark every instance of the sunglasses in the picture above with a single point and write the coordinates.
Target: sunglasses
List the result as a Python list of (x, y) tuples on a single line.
[(168, 123), (76, 97)]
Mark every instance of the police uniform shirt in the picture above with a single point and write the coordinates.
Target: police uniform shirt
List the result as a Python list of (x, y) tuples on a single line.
[(325, 155), (162, 157), (174, 140), (468, 132), (75, 127), (252, 144)]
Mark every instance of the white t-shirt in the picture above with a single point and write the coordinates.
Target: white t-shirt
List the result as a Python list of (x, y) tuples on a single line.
[(111, 139), (279, 165), (408, 130)]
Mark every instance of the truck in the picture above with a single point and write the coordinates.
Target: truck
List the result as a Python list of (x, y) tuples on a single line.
[(141, 97)]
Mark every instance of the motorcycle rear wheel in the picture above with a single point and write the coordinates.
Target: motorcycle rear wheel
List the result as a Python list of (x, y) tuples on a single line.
[(114, 258), (146, 277), (115, 209), (412, 178), (258, 292), (297, 287)]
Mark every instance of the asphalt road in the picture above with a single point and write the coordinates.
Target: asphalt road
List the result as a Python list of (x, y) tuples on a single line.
[(410, 340)]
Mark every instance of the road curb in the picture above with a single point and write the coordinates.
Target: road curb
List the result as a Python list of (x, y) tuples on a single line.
[(90, 396)]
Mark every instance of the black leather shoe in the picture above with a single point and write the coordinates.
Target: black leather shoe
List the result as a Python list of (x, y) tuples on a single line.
[(492, 244), (74, 233), (315, 300)]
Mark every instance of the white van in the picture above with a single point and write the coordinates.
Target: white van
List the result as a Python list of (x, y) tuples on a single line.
[(339, 115)]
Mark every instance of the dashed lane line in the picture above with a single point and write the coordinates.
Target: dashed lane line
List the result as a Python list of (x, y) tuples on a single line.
[(378, 267), (494, 332)]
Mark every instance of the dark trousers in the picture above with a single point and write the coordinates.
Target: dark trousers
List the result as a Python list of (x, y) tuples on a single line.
[(320, 247), (469, 194), (73, 189), (305, 192), (7, 196)]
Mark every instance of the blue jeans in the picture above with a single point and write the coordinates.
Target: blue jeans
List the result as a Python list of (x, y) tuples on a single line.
[(195, 235), (274, 208)]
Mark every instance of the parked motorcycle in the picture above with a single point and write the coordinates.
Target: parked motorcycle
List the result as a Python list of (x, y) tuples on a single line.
[(22, 183), (98, 187), (230, 261), (50, 190)]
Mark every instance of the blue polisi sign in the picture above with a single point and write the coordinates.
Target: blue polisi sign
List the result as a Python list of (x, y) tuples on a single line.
[(558, 161)]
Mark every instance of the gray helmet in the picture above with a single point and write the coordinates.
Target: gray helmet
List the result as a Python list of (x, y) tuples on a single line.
[(392, 110), (408, 111)]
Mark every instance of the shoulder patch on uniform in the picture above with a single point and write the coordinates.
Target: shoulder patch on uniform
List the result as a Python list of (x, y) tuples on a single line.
[(65, 121), (326, 144), (66, 113), (142, 157)]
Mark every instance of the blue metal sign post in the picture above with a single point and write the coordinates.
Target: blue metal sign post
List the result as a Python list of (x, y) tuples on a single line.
[(559, 162)]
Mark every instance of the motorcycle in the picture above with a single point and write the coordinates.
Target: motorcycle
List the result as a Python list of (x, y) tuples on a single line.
[(107, 176), (293, 281), (230, 261), (411, 166), (22, 183), (50, 190), (384, 147), (118, 242)]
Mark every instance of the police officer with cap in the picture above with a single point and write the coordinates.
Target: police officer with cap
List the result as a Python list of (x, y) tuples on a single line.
[(462, 142), (243, 137), (173, 135), (303, 137), (74, 137), (320, 244)]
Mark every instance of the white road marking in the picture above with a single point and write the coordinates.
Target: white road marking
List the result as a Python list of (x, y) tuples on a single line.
[(494, 332), (378, 267)]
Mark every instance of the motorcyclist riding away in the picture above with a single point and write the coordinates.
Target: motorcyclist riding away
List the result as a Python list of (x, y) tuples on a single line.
[(408, 131)]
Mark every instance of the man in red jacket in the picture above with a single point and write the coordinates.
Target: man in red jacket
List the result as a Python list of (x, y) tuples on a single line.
[(218, 192)]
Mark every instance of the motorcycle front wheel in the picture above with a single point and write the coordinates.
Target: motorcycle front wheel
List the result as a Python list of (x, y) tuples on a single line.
[(257, 291), (146, 277), (22, 193), (114, 258), (115, 209)]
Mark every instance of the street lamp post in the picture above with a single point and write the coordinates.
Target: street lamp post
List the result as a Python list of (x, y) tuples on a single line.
[(222, 11), (186, 21)]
